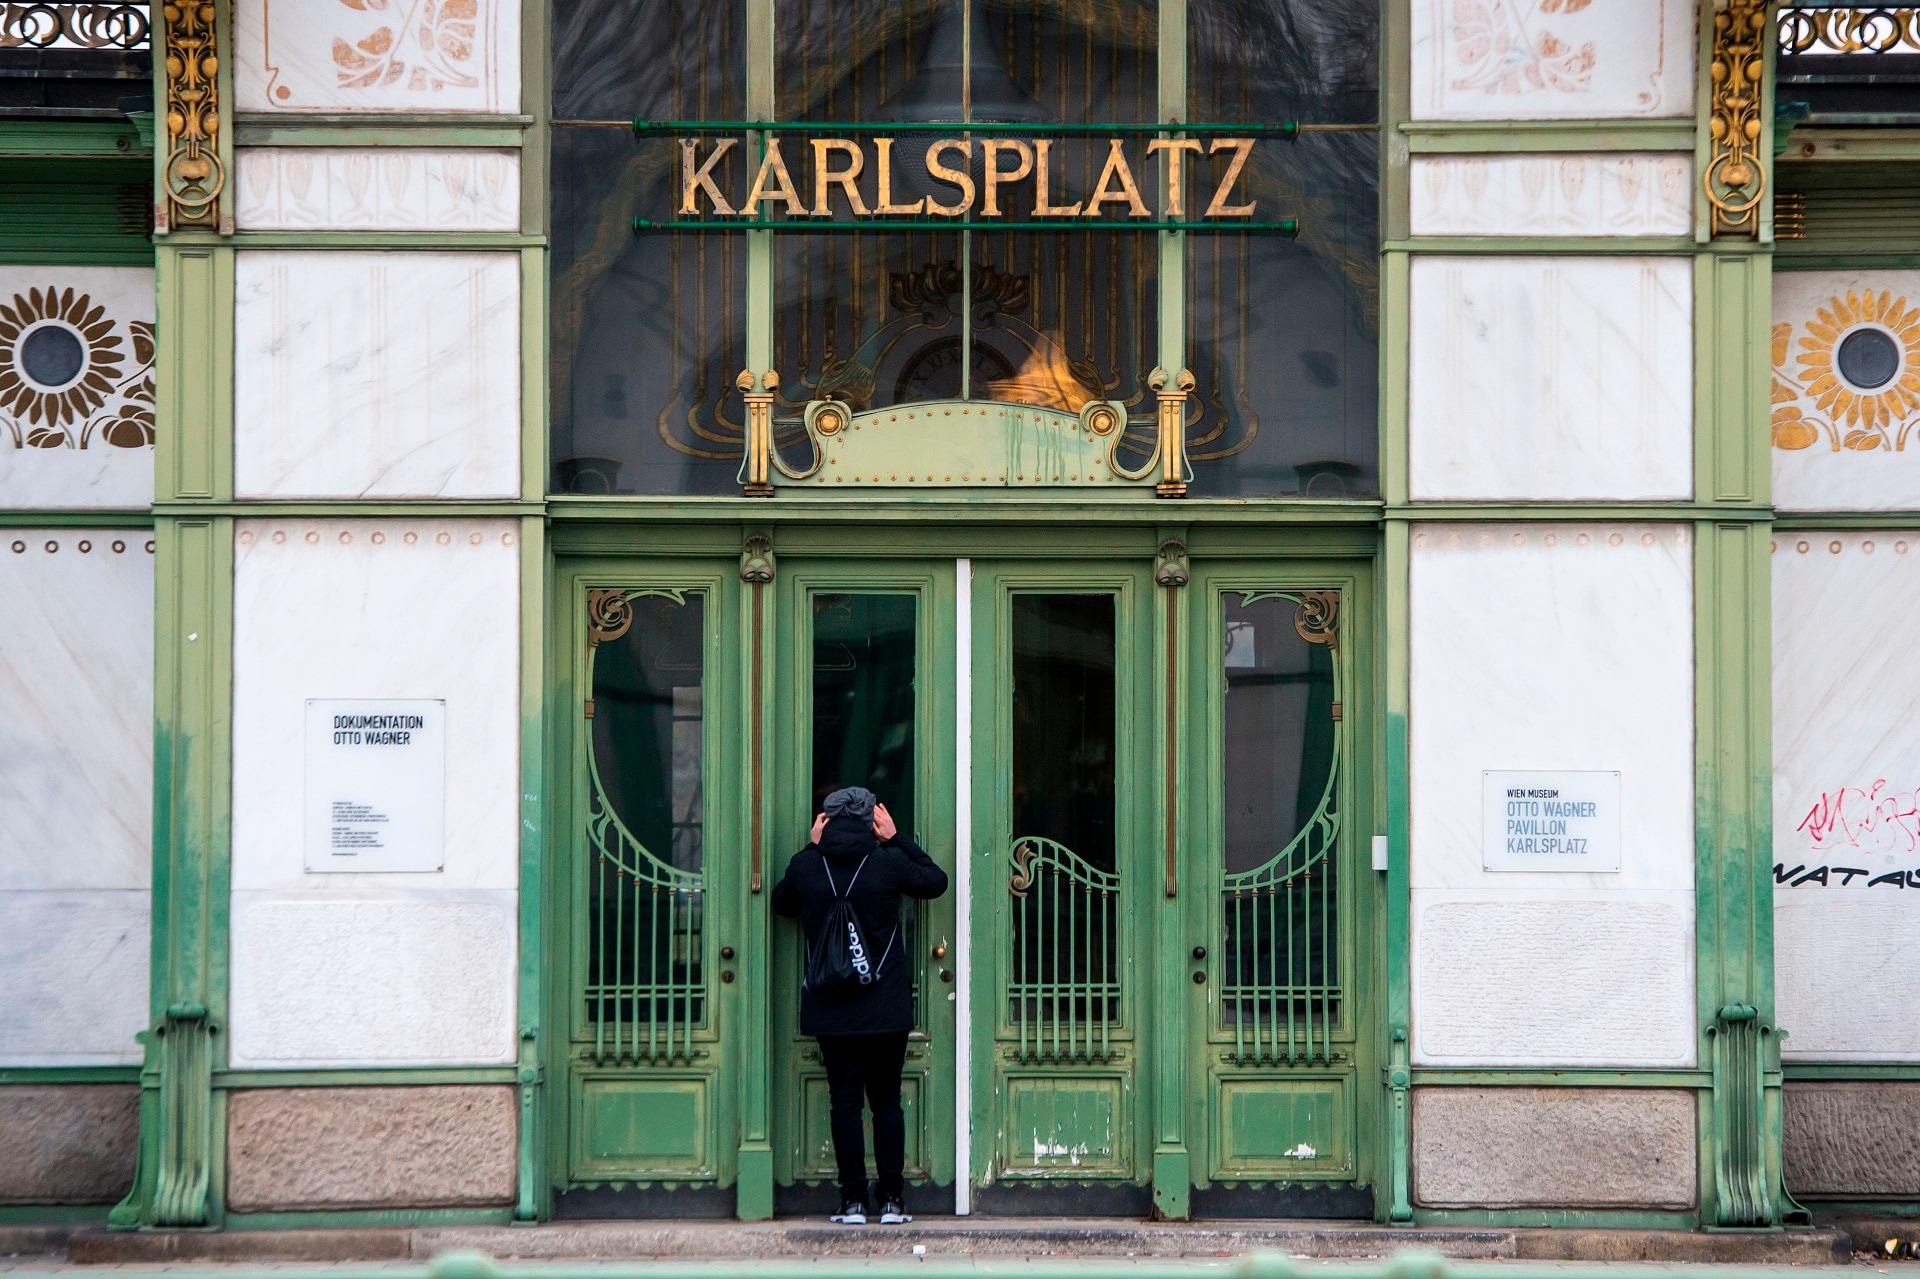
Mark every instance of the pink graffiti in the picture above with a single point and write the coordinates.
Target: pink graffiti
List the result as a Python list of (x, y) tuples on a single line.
[(1875, 820)]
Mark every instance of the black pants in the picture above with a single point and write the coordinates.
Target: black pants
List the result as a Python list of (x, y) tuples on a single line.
[(869, 1064)]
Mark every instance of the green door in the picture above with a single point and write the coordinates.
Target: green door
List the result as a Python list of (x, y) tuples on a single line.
[(651, 897), (1062, 762), (1274, 868), (866, 672)]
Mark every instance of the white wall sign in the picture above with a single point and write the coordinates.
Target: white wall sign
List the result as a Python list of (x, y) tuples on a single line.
[(376, 785), (1551, 821)]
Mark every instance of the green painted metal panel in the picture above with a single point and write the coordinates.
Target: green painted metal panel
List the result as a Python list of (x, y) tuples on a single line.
[(630, 1129), (1075, 1126)]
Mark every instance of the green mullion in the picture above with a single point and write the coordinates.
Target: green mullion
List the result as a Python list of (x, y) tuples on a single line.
[(534, 1184), (280, 131), (193, 458), (353, 508), (1567, 512), (534, 436), (1395, 1204), (364, 1077), (75, 519), (364, 240), (1513, 1077), (397, 125), (536, 99), (1538, 245), (1457, 136), (69, 1074), (1861, 1070), (1044, 506), (1822, 521)]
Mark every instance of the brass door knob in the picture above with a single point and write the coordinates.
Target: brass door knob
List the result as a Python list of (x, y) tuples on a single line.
[(940, 951)]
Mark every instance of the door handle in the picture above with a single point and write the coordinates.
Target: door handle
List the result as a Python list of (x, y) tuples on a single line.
[(940, 951)]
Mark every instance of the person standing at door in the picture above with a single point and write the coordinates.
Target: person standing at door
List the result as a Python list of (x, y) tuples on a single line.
[(858, 854)]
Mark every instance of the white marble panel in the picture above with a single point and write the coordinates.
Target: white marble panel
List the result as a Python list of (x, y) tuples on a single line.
[(377, 55), (1552, 59), (376, 374), (1843, 970), (1645, 193), (377, 188), (1544, 379), (1846, 797), (1555, 646), (337, 980), (76, 708), (376, 609), (1843, 422), (73, 977), (1543, 978), (76, 387)]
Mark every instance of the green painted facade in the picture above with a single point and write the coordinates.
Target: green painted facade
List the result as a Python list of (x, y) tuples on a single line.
[(1162, 1091)]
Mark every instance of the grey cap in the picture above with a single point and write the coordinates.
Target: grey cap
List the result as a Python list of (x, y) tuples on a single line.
[(851, 801)]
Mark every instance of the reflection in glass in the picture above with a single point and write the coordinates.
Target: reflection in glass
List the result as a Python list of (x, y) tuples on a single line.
[(645, 829), (864, 654), (647, 331), (1064, 986), (1284, 334), (1279, 757)]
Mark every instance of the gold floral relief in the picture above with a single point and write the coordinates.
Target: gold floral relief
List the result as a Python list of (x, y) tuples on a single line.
[(64, 382), (1852, 378)]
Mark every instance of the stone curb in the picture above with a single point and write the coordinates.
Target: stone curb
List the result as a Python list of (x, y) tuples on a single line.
[(997, 1237)]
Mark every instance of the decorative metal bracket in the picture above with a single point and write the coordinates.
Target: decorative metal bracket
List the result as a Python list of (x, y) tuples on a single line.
[(193, 176), (609, 615), (756, 472), (756, 560), (756, 570), (1736, 174), (184, 1173), (1399, 1076), (1743, 1197), (1170, 426), (1170, 565)]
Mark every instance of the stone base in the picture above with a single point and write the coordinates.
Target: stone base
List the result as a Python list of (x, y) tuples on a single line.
[(1502, 1148), (68, 1143), (961, 1240), (294, 1149), (1853, 1140)]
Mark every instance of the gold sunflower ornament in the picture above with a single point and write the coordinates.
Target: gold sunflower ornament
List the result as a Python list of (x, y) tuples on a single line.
[(1860, 364), (59, 363)]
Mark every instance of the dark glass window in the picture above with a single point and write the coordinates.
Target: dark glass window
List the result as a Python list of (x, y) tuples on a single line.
[(649, 331), (1283, 335)]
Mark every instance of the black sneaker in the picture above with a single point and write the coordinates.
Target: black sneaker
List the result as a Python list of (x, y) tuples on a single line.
[(852, 1213), (893, 1213)]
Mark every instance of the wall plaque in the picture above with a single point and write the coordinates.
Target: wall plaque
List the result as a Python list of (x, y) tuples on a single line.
[(376, 774), (1561, 821)]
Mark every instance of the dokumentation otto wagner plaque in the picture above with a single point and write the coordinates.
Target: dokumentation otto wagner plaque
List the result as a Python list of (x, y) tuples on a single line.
[(1552, 821), (376, 784)]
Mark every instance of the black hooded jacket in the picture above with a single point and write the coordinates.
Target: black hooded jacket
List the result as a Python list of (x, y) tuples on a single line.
[(896, 869)]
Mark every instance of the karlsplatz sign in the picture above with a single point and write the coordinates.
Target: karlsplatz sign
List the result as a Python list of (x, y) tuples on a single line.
[(962, 177), (1552, 821)]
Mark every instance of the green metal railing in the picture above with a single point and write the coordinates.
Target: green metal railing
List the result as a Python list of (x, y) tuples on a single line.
[(646, 963), (1281, 988), (1063, 988)]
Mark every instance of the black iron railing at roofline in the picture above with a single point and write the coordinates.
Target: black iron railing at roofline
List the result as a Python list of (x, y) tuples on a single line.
[(74, 24)]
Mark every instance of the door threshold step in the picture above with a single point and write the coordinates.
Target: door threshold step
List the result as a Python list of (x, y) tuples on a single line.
[(951, 1237)]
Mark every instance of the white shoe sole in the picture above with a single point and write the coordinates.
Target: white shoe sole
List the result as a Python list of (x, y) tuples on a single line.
[(894, 1219), (848, 1221)]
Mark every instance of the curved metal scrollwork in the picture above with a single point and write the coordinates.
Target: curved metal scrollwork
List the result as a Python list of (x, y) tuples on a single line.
[(1063, 984), (646, 980), (73, 26), (1280, 988)]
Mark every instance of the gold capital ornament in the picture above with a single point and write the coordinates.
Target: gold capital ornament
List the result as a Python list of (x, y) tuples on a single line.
[(1736, 176), (1171, 428), (193, 176), (756, 472)]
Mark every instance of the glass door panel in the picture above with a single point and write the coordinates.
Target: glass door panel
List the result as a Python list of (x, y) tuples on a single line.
[(1273, 850), (1060, 766), (862, 644)]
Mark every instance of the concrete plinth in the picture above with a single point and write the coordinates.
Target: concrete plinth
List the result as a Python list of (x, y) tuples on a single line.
[(68, 1143)]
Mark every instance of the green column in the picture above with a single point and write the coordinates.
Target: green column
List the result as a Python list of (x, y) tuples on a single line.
[(1733, 760)]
